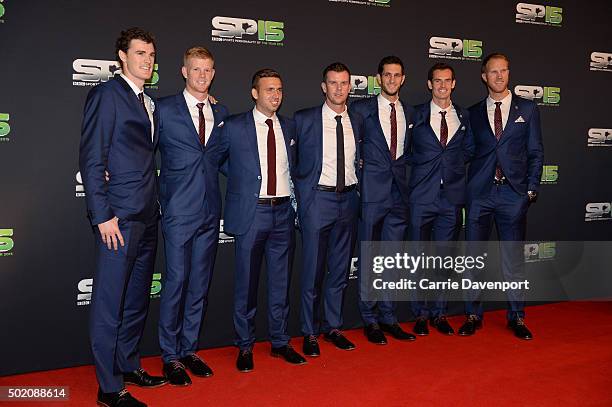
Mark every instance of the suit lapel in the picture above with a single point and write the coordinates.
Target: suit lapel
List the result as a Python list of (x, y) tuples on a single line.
[(426, 118), (135, 102), (407, 118), (513, 114), (183, 110), (381, 140), (287, 139), (251, 133), (484, 116), (357, 136), (318, 131), (462, 123)]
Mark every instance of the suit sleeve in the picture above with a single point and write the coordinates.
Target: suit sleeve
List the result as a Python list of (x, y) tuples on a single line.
[(535, 151), (469, 146), (220, 150), (96, 135), (408, 157)]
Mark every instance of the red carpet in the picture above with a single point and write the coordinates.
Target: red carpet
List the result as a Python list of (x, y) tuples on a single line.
[(569, 363)]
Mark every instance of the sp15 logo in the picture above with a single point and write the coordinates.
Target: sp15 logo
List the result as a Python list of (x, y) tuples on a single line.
[(538, 14), (233, 27), (6, 242), (599, 138), (601, 61), (454, 48), (550, 174), (364, 85), (540, 251), (597, 211), (94, 70), (547, 94), (5, 127)]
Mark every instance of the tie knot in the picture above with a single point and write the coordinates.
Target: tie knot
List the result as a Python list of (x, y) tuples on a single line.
[(339, 118), (443, 113), (141, 96), (392, 106), (200, 106), (269, 122), (497, 104)]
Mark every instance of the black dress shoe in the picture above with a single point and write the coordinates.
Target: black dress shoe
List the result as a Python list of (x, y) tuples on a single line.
[(196, 365), (520, 329), (375, 334), (289, 354), (143, 379), (244, 363), (469, 327), (311, 346), (397, 332), (420, 327), (442, 325), (176, 374), (119, 399), (335, 336)]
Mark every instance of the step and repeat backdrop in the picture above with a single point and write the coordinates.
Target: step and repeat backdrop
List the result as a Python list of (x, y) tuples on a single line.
[(52, 53)]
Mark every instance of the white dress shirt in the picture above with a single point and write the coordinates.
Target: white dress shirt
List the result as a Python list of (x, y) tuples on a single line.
[(384, 115), (194, 112), (505, 110), (149, 105), (452, 120), (329, 165), (282, 161)]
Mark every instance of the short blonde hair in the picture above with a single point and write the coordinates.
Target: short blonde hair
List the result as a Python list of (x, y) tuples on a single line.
[(197, 52)]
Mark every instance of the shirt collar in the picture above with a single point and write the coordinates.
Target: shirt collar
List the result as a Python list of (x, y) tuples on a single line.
[(327, 111), (259, 117), (505, 101), (435, 109), (382, 101), (191, 100), (135, 88)]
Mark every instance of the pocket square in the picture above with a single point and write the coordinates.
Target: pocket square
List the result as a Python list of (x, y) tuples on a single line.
[(463, 128), (220, 124), (520, 120), (292, 142)]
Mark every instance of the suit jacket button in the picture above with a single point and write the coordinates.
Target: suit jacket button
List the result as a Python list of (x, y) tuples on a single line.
[(259, 177), (256, 195)]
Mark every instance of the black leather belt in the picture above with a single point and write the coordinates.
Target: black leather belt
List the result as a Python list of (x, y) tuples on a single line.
[(326, 188), (272, 201), (502, 181)]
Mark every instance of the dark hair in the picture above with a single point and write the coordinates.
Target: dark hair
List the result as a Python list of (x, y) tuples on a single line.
[(388, 60), (493, 56), (134, 33), (440, 66), (264, 73), (335, 67)]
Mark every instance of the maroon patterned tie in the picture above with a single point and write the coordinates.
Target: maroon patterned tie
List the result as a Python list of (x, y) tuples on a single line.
[(497, 123), (393, 148), (271, 190), (202, 124), (443, 129)]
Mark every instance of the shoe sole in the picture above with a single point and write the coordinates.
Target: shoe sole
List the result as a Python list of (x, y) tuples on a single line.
[(98, 402), (274, 355), (337, 347), (146, 387), (313, 355), (519, 337), (245, 371)]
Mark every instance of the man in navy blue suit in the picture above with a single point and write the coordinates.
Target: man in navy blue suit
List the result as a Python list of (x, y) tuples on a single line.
[(118, 138), (503, 179), (326, 178), (191, 208), (384, 185), (259, 146), (441, 143)]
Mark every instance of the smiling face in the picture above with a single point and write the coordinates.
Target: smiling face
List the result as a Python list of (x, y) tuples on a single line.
[(497, 75), (198, 74), (441, 86), (391, 80), (268, 95), (336, 87), (137, 63)]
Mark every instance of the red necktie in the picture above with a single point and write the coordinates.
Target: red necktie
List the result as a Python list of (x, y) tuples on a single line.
[(443, 129), (497, 123), (393, 148), (271, 190), (202, 124)]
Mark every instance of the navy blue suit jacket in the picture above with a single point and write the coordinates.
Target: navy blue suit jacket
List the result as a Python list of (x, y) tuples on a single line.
[(309, 162), (430, 163), (379, 171), (519, 151), (116, 137), (239, 146), (188, 178)]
